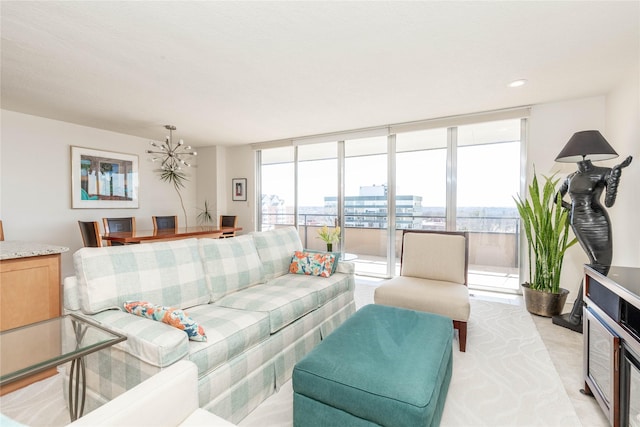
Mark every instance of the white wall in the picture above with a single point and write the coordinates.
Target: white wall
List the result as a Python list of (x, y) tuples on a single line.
[(240, 163), (35, 183), (623, 133), (207, 181)]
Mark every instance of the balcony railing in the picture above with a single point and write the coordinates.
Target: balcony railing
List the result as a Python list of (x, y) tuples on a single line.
[(493, 240)]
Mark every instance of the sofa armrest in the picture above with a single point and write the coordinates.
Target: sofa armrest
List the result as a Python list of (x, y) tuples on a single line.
[(167, 398), (347, 267), (70, 294)]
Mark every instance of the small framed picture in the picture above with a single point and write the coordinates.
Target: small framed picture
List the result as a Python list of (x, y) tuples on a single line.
[(239, 189)]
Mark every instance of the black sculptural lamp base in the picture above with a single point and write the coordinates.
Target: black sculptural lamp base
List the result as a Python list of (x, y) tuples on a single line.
[(573, 319), (567, 321)]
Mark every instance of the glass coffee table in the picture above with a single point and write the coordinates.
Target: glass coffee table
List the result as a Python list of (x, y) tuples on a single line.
[(37, 347)]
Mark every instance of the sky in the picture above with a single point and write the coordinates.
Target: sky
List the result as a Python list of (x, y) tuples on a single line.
[(488, 175)]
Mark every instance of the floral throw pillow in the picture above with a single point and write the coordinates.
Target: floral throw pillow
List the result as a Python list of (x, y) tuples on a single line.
[(335, 254), (312, 264), (169, 315)]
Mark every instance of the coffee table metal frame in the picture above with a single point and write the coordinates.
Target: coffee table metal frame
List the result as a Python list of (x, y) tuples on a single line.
[(77, 374)]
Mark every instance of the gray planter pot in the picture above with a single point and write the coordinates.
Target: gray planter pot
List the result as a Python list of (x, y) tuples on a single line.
[(544, 303)]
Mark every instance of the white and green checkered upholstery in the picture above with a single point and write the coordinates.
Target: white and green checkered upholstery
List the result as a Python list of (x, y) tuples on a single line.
[(326, 288), (166, 273), (229, 333), (230, 265), (263, 319), (283, 304), (276, 247), (154, 343)]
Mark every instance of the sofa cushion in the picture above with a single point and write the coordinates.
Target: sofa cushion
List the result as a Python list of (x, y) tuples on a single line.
[(230, 265), (326, 289), (152, 342), (433, 296), (167, 273), (275, 248), (229, 333), (283, 304)]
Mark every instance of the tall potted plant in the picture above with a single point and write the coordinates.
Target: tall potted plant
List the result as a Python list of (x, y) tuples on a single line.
[(546, 226)]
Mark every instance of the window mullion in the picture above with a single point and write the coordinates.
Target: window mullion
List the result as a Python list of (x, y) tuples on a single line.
[(452, 171)]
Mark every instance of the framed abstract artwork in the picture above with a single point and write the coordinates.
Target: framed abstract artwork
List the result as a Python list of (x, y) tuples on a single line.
[(239, 189), (103, 179)]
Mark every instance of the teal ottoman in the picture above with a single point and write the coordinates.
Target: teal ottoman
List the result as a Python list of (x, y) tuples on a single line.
[(384, 366)]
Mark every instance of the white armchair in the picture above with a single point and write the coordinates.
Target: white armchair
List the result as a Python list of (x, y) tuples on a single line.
[(433, 277), (169, 398)]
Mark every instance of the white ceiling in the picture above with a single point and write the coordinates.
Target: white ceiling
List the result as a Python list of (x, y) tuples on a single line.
[(241, 72)]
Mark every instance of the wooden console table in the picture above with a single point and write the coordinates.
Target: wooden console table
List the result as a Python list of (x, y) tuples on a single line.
[(30, 289)]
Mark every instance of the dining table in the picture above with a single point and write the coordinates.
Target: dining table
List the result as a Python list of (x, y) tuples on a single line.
[(142, 236)]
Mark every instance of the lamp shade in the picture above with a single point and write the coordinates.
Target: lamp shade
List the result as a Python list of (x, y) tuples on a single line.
[(586, 145)]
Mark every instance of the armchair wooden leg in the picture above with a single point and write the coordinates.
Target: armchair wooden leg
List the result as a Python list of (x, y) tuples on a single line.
[(462, 334)]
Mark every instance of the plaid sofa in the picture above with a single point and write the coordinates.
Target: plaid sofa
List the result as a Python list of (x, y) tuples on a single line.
[(259, 319)]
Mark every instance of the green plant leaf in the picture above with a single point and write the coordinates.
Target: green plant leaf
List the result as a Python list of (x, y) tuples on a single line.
[(205, 217), (178, 179), (546, 227)]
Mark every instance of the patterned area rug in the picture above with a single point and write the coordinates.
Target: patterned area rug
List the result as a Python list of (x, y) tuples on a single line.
[(505, 378)]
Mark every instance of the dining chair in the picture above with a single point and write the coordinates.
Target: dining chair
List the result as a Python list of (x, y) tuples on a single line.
[(165, 222), (90, 231), (113, 225), (1, 231), (228, 221)]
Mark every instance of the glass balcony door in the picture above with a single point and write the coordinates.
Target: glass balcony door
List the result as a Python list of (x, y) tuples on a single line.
[(277, 184), (488, 177), (365, 204), (421, 183), (317, 192)]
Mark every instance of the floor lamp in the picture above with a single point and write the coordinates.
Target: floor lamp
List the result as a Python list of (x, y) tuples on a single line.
[(589, 219)]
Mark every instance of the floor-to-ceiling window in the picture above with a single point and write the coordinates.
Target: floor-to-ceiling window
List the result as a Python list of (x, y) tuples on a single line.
[(365, 203), (317, 191), (488, 177), (277, 179), (421, 182), (451, 177)]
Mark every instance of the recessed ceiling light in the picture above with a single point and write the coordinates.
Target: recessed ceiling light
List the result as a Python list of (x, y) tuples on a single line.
[(518, 83)]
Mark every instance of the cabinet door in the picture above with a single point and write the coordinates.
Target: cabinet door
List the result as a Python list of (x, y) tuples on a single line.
[(29, 290), (602, 356)]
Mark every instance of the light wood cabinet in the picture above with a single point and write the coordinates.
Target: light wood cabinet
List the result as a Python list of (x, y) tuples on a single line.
[(29, 290)]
